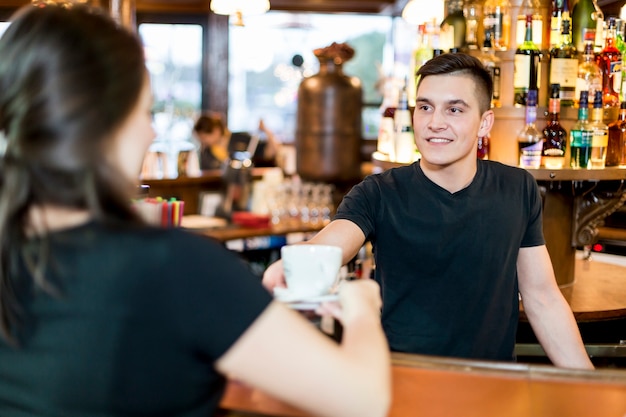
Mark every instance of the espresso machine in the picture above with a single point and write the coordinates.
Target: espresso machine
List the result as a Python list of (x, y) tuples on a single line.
[(237, 176)]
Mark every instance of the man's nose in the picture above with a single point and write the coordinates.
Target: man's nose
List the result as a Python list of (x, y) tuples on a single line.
[(437, 121)]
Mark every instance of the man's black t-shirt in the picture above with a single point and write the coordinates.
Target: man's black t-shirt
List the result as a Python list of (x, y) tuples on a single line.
[(446, 262)]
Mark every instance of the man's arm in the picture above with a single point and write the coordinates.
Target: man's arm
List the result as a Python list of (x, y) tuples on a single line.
[(548, 312), (343, 233)]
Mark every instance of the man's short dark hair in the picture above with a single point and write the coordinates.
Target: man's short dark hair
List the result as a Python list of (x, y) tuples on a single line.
[(461, 64)]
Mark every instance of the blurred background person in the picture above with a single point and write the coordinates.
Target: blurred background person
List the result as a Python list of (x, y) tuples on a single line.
[(212, 136)]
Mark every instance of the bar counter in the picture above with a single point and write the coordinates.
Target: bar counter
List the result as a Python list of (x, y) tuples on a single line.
[(227, 232), (432, 386)]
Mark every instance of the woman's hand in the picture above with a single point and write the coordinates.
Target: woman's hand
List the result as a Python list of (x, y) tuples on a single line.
[(356, 298)]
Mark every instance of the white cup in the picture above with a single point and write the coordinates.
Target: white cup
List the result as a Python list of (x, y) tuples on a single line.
[(310, 270)]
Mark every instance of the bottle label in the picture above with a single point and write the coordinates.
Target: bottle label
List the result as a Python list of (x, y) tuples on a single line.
[(599, 38), (521, 71), (555, 30), (530, 154), (405, 148), (616, 75), (537, 30), (553, 152), (385, 136), (584, 84), (494, 22), (600, 138), (589, 35), (617, 82), (616, 67), (564, 71), (581, 138)]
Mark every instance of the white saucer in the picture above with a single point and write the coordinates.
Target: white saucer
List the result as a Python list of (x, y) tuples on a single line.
[(299, 302)]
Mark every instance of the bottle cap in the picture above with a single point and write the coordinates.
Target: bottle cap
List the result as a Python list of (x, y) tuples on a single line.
[(531, 98), (584, 99), (597, 99), (554, 90)]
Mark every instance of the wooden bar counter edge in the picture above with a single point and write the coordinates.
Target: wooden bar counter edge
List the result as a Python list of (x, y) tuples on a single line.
[(432, 386)]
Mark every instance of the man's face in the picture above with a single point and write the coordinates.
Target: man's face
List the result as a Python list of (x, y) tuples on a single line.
[(447, 119)]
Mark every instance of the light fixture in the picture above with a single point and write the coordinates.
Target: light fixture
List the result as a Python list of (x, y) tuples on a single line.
[(417, 12), (66, 3), (239, 8)]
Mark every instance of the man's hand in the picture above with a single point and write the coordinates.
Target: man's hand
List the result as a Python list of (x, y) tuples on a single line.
[(274, 276)]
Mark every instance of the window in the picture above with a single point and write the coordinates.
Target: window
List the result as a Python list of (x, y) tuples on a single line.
[(3, 27), (270, 56), (174, 60)]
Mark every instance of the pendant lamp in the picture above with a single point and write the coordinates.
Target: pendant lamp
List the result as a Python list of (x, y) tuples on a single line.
[(239, 8)]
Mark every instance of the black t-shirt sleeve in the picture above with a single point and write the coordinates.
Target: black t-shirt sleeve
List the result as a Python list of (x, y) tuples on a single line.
[(360, 206), (534, 231)]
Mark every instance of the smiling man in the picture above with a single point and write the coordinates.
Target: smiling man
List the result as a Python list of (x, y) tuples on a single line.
[(455, 239)]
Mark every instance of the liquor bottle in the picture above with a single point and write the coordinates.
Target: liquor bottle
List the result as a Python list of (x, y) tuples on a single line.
[(497, 22), (589, 74), (526, 66), (423, 52), (587, 24), (529, 139), (554, 135), (456, 21), (580, 135), (472, 12), (386, 130), (600, 134), (529, 8), (610, 63), (616, 149), (621, 46), (559, 7), (404, 140), (564, 65), (492, 63), (482, 151)]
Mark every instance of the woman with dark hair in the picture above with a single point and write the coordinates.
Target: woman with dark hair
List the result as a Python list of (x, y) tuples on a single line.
[(211, 133), (101, 314)]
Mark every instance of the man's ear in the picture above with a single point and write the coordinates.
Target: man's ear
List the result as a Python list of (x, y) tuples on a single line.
[(486, 123)]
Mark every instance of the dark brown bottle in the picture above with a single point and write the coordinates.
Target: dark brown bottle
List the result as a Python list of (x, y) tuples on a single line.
[(616, 149), (554, 135)]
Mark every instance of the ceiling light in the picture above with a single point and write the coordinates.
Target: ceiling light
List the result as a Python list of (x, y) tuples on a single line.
[(417, 12), (239, 8)]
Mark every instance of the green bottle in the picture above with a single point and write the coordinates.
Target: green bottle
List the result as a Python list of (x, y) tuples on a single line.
[(526, 75), (581, 135), (587, 24)]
